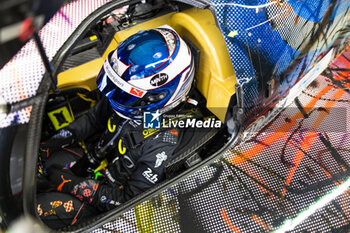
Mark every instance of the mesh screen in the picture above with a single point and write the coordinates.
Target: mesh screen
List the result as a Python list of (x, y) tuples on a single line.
[(277, 41), (20, 77), (286, 177)]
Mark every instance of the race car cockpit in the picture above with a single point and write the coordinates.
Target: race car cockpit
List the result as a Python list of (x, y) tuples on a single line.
[(213, 90), (256, 145)]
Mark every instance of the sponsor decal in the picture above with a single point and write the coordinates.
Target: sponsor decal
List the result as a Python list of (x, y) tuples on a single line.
[(169, 37), (109, 201), (159, 79), (148, 132), (136, 92), (113, 76), (121, 83), (148, 174), (59, 188), (161, 157), (112, 202)]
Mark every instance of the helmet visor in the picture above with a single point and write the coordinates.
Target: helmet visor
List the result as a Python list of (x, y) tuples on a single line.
[(121, 92)]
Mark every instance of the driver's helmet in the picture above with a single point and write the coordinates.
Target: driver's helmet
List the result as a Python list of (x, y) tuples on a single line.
[(149, 71)]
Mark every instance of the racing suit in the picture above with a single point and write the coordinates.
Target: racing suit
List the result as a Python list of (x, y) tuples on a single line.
[(136, 158)]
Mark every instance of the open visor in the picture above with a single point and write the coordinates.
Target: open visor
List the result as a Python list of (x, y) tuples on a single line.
[(123, 93)]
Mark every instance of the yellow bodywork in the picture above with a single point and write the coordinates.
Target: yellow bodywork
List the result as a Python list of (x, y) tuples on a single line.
[(215, 77)]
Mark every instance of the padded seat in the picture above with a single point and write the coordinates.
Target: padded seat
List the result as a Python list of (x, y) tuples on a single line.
[(188, 152)]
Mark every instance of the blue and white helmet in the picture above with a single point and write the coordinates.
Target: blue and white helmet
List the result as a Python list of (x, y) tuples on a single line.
[(149, 71)]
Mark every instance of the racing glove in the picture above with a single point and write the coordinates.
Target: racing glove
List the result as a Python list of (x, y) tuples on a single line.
[(65, 181), (62, 138)]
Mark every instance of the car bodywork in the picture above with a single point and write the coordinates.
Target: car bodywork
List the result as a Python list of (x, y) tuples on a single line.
[(259, 67)]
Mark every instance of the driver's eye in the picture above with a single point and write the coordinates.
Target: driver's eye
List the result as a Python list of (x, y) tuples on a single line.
[(151, 98), (161, 95)]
